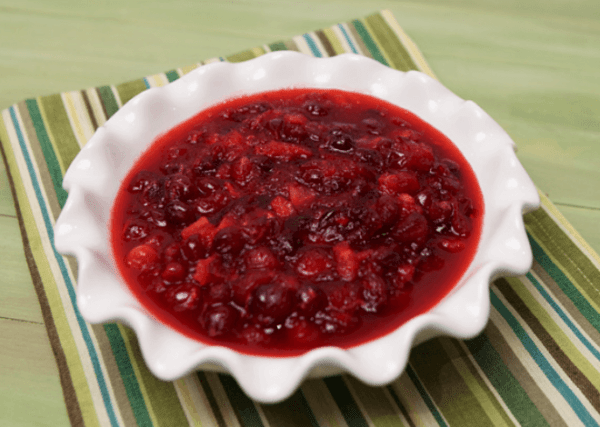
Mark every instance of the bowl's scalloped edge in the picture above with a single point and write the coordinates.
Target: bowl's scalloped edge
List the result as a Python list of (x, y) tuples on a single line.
[(273, 379)]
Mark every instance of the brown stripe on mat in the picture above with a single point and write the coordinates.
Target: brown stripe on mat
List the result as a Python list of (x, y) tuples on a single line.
[(582, 322), (70, 397), (88, 107), (400, 406), (114, 375), (104, 110), (572, 371), (515, 366), (211, 399), (325, 42), (40, 160)]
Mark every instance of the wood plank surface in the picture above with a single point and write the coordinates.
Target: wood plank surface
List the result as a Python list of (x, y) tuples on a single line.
[(533, 66)]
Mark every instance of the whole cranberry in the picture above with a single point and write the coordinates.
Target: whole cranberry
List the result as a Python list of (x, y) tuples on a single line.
[(310, 299), (135, 229), (218, 320), (179, 213), (272, 302), (180, 187), (141, 180), (193, 248), (229, 240)]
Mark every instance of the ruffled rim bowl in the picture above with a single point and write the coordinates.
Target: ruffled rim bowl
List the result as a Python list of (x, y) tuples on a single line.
[(94, 177)]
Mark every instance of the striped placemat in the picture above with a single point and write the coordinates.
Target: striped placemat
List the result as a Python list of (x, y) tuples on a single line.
[(537, 362)]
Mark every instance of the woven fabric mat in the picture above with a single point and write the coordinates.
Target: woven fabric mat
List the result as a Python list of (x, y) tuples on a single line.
[(536, 363)]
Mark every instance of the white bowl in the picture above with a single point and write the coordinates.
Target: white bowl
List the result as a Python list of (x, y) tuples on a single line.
[(95, 175)]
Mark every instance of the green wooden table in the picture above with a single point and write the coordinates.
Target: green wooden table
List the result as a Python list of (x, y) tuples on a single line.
[(533, 66)]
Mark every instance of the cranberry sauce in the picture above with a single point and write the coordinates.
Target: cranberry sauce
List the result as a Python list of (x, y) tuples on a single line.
[(283, 221)]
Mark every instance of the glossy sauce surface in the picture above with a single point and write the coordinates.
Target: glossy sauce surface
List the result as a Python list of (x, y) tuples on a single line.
[(288, 220)]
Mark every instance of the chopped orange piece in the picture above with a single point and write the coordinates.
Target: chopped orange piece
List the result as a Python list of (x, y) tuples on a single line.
[(301, 196), (201, 227), (347, 261), (282, 207)]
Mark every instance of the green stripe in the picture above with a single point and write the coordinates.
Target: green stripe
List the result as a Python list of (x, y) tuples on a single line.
[(571, 259), (278, 46), (108, 100), (506, 385), (368, 41), (242, 405), (161, 395), (389, 43), (436, 371), (58, 125), (552, 336), (559, 277), (241, 56), (49, 155), (474, 380), (345, 401), (212, 401), (172, 75), (293, 412), (377, 406), (400, 406), (130, 89), (130, 381)]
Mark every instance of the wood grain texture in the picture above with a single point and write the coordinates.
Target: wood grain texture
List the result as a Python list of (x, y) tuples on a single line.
[(533, 66)]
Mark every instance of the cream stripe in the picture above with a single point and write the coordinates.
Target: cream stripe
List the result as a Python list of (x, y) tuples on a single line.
[(487, 382), (302, 45), (211, 60), (322, 404), (115, 93), (189, 409), (356, 44), (570, 384), (66, 307), (262, 416), (27, 183), (63, 314), (544, 384), (96, 105), (364, 410), (222, 400), (593, 360), (565, 226), (316, 40), (266, 48), (78, 117), (341, 38), (574, 282), (138, 374), (157, 80), (393, 403), (195, 401), (411, 399), (473, 384), (407, 42), (359, 403)]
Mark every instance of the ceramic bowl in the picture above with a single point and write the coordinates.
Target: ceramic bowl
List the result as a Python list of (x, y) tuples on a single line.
[(95, 175)]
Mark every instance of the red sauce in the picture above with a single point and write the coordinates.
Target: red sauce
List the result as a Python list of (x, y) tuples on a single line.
[(283, 221)]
